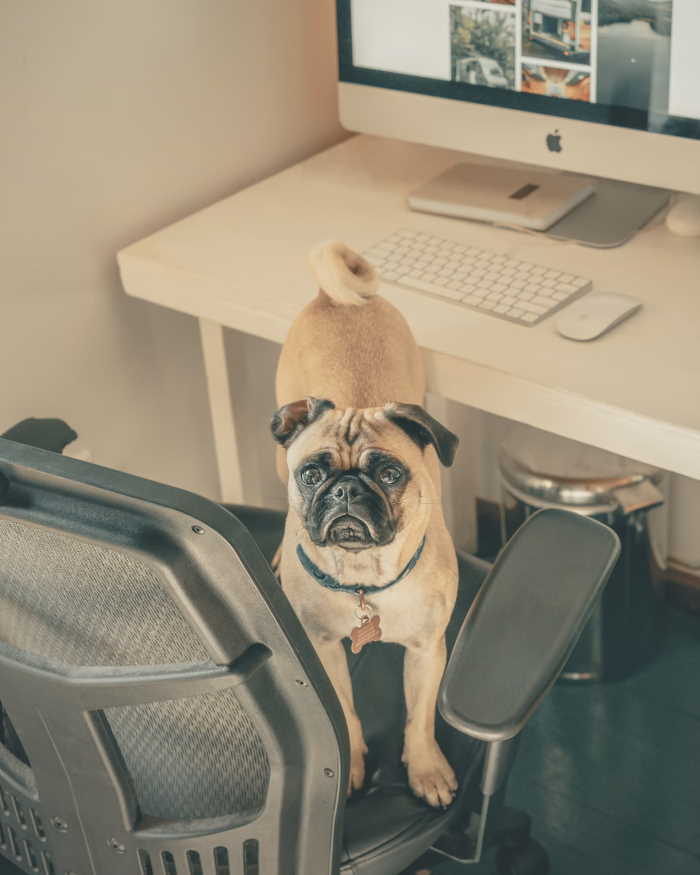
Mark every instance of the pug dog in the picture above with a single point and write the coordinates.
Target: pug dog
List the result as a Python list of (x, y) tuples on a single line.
[(366, 553)]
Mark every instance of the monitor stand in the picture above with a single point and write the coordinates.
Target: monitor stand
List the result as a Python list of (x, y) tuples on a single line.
[(612, 215)]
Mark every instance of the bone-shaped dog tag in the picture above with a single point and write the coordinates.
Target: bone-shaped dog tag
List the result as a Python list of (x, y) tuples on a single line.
[(365, 633)]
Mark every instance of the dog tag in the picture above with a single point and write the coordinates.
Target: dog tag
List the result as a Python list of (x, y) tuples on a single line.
[(369, 629), (365, 633)]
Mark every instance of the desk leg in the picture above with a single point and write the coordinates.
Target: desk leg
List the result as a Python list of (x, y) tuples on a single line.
[(222, 413)]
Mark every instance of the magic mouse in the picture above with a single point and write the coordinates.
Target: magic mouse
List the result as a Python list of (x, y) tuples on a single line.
[(594, 314)]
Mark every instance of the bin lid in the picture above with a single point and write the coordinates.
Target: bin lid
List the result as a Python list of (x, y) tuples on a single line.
[(561, 471)]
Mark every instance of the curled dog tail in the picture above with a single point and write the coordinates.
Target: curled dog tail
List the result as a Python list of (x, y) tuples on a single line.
[(345, 276)]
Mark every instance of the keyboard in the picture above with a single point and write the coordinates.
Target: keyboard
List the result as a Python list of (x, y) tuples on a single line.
[(479, 279)]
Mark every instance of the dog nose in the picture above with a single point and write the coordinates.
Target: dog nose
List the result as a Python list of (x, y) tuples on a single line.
[(347, 489)]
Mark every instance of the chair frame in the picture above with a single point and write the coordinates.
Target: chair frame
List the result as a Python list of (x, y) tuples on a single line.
[(86, 818)]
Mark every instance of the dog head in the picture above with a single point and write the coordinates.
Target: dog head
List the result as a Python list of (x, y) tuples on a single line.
[(360, 477)]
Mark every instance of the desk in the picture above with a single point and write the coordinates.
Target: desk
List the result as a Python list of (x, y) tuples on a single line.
[(242, 263)]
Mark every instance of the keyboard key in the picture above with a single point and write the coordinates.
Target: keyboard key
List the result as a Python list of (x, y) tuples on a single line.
[(542, 301), (433, 288)]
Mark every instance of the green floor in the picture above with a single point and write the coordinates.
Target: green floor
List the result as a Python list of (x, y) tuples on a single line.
[(611, 773)]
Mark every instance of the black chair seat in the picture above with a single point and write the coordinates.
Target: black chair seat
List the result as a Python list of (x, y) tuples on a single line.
[(386, 819), (387, 828)]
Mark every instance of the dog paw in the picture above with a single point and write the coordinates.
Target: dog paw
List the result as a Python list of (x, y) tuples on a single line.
[(357, 769), (430, 776)]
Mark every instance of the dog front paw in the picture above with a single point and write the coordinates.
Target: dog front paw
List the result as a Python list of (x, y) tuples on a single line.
[(430, 776)]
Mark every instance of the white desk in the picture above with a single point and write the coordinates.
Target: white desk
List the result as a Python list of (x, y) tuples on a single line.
[(242, 263)]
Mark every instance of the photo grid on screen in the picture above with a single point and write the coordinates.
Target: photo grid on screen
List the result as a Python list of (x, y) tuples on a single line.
[(544, 47), (611, 52)]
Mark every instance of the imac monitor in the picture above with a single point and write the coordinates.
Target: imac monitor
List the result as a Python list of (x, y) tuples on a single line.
[(609, 88)]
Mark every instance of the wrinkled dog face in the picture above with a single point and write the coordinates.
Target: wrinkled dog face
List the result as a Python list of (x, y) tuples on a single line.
[(351, 507), (357, 476)]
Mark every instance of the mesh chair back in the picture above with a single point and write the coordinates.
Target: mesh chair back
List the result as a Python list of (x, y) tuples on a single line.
[(163, 709)]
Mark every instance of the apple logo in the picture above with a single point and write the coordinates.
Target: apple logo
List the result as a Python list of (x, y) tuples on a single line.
[(554, 141)]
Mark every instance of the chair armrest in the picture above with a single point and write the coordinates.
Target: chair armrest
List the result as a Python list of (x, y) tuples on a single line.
[(524, 622)]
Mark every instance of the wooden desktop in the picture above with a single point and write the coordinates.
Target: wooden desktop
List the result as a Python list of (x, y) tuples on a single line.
[(241, 263)]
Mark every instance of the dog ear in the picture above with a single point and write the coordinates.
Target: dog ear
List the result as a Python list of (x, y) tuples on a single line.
[(289, 421), (421, 427)]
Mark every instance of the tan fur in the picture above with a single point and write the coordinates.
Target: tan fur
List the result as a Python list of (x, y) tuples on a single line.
[(361, 358)]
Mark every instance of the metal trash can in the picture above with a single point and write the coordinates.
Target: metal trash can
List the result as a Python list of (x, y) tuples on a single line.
[(539, 470)]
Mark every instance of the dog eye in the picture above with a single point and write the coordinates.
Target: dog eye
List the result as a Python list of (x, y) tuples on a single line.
[(390, 475), (311, 475)]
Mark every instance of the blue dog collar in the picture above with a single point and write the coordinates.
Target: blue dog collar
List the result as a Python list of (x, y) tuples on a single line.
[(331, 583)]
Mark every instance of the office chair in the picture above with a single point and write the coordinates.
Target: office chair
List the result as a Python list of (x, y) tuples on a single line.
[(165, 714)]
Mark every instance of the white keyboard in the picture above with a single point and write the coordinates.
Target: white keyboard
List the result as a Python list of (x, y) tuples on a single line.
[(480, 279)]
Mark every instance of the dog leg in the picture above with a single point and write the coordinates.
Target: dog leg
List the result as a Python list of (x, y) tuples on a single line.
[(332, 655), (429, 774), (276, 561)]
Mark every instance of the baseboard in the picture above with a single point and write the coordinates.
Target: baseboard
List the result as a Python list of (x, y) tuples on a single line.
[(683, 586)]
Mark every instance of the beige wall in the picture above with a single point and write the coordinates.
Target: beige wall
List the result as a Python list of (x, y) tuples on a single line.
[(118, 118)]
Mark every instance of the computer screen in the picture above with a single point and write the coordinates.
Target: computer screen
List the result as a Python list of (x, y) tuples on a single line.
[(630, 63)]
